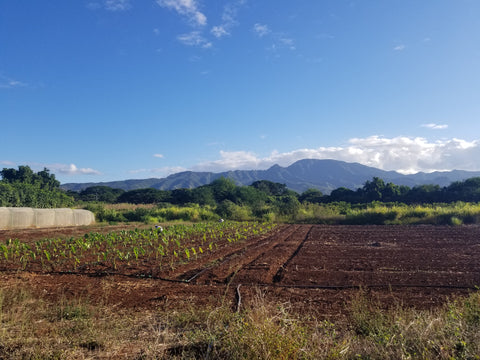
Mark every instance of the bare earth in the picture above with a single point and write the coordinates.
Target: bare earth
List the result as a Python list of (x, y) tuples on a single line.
[(316, 269)]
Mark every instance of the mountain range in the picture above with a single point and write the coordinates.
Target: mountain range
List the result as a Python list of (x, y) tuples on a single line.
[(324, 175)]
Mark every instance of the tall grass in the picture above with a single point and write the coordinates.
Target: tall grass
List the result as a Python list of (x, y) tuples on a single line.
[(32, 328), (150, 214), (334, 213), (390, 213)]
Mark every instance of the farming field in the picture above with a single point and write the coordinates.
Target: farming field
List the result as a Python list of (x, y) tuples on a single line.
[(316, 268)]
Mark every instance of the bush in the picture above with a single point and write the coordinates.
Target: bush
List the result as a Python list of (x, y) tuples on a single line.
[(370, 218), (103, 214)]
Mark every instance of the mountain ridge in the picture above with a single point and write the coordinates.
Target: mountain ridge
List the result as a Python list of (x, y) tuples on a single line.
[(324, 175)]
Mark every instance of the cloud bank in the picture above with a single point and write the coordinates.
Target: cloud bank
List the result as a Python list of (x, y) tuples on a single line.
[(406, 155), (72, 169)]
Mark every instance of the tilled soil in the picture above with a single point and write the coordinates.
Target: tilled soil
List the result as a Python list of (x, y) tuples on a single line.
[(315, 269)]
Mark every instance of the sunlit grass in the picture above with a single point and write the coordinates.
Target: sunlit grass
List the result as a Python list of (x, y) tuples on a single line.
[(33, 328), (390, 214)]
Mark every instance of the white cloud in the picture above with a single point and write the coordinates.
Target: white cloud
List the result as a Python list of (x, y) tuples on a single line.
[(9, 83), (187, 8), (229, 19), (279, 40), (160, 156), (72, 169), (261, 30), (232, 160), (194, 38), (403, 154), (117, 5), (435, 126), (219, 31), (64, 169), (400, 47), (289, 43)]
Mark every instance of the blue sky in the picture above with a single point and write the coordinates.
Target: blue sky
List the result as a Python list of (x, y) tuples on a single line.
[(102, 90)]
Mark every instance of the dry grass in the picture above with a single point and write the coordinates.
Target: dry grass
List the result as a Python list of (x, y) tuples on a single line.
[(31, 328)]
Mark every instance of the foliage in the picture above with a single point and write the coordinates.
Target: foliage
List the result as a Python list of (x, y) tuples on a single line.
[(142, 196), (23, 187), (311, 196), (42, 179), (378, 190), (168, 246), (101, 193), (270, 188), (376, 202)]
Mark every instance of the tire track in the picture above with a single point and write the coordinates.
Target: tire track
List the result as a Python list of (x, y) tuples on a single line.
[(263, 269), (190, 271), (279, 274), (226, 270)]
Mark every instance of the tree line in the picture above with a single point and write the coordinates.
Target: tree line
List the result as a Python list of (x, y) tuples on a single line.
[(260, 191), (223, 194), (24, 187), (377, 190)]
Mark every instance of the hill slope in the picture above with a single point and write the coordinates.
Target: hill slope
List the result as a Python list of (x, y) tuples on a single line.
[(325, 175)]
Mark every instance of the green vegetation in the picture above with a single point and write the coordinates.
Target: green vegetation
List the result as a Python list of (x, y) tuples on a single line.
[(32, 328), (23, 187), (163, 247), (376, 202), (378, 213)]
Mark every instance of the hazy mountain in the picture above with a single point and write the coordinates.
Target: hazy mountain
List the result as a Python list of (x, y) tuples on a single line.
[(325, 175)]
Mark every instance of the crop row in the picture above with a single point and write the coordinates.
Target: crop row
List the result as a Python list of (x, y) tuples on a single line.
[(161, 247)]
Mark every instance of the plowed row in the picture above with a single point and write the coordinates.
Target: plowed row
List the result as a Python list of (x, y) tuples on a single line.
[(315, 268)]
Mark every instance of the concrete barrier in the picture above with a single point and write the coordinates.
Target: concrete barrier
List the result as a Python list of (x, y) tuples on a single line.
[(21, 217)]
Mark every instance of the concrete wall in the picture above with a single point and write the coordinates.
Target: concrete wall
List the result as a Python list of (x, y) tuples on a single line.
[(20, 218)]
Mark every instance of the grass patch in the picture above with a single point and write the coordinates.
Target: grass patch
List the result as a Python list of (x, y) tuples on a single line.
[(31, 328)]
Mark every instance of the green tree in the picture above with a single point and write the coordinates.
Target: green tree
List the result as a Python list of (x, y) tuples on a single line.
[(270, 188), (344, 194), (424, 194), (373, 190), (311, 196), (47, 180), (26, 188), (287, 205), (143, 196), (203, 195), (249, 195), (467, 190), (8, 195), (223, 189), (101, 193), (181, 196)]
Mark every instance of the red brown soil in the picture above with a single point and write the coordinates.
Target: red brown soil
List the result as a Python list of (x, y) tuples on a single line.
[(316, 269)]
